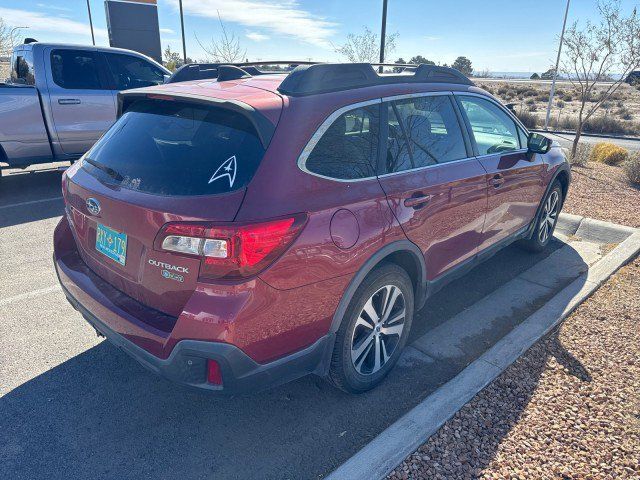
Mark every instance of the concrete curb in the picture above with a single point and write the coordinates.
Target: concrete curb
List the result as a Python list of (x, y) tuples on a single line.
[(378, 458), (596, 135), (591, 229)]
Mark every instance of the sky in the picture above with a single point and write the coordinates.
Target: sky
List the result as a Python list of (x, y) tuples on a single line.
[(496, 35)]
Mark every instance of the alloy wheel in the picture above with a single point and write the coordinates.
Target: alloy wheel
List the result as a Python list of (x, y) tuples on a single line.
[(549, 216), (378, 330)]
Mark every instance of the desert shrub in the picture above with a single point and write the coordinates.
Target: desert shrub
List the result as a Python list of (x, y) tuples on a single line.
[(503, 91), (533, 107), (560, 104), (632, 169), (602, 124), (624, 113), (567, 97), (530, 101), (530, 120), (609, 153)]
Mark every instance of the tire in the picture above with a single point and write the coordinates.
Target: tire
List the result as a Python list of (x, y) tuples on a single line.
[(353, 363), (546, 221)]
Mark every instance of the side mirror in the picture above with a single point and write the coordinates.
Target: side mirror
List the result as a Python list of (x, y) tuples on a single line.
[(538, 143)]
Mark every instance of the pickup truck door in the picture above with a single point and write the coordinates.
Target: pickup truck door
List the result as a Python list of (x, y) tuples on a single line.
[(82, 105)]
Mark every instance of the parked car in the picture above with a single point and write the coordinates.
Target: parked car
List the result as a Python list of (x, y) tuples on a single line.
[(237, 233), (59, 99), (633, 78)]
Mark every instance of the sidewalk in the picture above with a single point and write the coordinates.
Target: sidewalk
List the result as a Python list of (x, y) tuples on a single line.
[(566, 140)]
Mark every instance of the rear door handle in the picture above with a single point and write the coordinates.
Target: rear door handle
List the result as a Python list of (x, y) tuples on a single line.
[(497, 180), (417, 201), (69, 101)]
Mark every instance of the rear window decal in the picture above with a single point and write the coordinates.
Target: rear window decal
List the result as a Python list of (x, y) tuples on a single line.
[(227, 169)]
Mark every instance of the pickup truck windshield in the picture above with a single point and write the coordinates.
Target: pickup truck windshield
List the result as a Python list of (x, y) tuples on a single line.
[(174, 148)]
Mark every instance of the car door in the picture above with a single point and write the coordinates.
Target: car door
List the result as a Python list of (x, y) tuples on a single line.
[(436, 189), (81, 104), (130, 71), (514, 177)]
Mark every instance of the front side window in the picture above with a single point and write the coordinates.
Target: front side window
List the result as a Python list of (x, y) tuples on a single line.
[(494, 130), (348, 150), (423, 131), (76, 69), (22, 68), (132, 72)]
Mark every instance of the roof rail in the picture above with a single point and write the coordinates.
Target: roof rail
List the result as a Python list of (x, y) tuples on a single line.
[(331, 77), (209, 71)]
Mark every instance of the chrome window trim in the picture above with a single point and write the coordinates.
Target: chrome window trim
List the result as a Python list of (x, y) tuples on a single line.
[(315, 138)]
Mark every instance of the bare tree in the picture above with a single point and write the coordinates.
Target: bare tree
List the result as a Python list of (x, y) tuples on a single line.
[(365, 47), (8, 38), (226, 49), (594, 52)]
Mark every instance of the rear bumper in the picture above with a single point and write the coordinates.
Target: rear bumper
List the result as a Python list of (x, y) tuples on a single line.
[(178, 348), (187, 364)]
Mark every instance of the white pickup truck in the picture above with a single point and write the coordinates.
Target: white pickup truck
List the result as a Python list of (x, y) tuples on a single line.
[(59, 99)]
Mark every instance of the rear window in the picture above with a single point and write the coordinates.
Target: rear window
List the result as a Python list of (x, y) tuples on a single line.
[(173, 148), (22, 67)]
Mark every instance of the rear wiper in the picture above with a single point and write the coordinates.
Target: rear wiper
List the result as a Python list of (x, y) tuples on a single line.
[(109, 171)]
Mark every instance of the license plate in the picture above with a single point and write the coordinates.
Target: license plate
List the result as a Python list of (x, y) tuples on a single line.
[(111, 243)]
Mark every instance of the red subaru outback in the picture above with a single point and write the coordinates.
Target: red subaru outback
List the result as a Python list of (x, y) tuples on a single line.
[(241, 232)]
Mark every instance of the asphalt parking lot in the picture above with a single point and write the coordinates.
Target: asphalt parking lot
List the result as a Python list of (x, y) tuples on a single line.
[(73, 406)]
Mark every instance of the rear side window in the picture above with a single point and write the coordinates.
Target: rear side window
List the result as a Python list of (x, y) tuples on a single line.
[(76, 69), (22, 68), (423, 131), (174, 148), (348, 150), (132, 72)]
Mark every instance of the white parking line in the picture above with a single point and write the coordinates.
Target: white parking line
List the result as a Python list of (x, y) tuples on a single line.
[(34, 293), (30, 202)]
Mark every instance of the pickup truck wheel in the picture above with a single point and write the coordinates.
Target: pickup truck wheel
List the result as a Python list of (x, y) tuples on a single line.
[(546, 221), (374, 330)]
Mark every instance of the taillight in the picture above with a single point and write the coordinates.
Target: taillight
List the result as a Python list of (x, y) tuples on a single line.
[(231, 251)]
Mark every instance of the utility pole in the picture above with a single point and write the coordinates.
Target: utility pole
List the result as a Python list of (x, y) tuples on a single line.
[(93, 38), (555, 73), (184, 45), (383, 34)]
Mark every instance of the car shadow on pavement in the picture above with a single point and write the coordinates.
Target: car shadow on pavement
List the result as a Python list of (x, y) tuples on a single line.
[(101, 415), (30, 196)]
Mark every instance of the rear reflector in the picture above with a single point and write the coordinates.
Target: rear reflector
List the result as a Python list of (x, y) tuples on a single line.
[(231, 251), (214, 374)]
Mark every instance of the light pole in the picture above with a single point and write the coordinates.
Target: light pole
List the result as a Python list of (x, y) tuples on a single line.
[(93, 38), (555, 72), (184, 45), (383, 33)]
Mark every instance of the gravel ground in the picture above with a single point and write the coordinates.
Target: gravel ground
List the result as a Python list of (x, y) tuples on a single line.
[(569, 408), (601, 191)]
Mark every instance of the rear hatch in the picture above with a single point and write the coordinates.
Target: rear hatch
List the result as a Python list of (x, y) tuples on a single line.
[(162, 161)]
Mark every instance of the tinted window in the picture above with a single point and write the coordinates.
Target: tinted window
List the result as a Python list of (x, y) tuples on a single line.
[(75, 69), (173, 148), (493, 129), (22, 68), (132, 72), (348, 149), (423, 131)]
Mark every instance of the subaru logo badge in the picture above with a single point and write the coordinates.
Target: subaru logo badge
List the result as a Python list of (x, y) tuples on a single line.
[(93, 206)]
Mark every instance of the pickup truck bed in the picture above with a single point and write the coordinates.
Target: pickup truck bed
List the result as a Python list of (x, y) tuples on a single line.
[(23, 135)]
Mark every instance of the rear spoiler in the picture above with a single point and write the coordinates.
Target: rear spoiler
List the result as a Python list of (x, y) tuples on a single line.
[(262, 124)]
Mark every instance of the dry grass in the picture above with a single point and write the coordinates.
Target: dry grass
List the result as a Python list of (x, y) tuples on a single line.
[(619, 115), (567, 409)]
